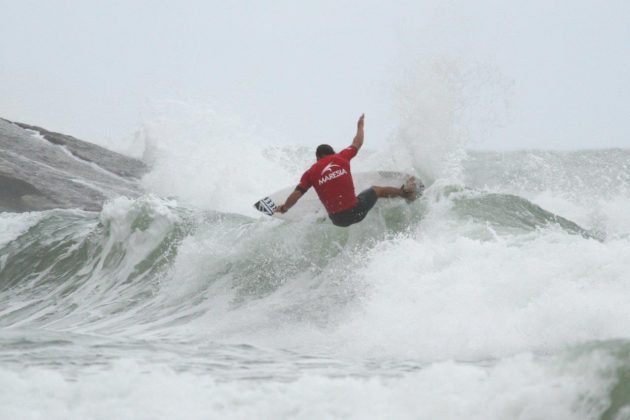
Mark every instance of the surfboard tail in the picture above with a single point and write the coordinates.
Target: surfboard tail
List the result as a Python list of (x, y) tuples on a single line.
[(266, 205)]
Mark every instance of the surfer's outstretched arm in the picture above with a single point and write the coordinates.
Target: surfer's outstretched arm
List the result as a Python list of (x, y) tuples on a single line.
[(357, 142), (291, 200)]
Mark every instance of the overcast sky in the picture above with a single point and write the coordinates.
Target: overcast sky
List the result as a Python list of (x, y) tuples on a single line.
[(555, 73)]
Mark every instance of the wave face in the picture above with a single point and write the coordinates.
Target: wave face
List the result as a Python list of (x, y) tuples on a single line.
[(506, 298)]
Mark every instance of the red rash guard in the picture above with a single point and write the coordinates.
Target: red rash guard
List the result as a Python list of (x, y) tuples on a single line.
[(331, 178)]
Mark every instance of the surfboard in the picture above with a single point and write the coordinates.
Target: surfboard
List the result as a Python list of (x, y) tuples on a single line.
[(310, 206)]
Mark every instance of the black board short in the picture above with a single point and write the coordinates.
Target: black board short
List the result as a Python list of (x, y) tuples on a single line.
[(357, 213)]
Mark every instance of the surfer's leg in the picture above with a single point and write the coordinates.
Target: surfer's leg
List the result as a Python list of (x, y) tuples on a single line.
[(387, 192), (365, 202), (408, 191)]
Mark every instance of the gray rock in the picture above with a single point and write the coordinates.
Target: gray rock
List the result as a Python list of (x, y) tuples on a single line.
[(42, 170)]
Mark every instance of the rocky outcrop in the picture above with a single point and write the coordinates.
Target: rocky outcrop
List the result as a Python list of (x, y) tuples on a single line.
[(41, 170)]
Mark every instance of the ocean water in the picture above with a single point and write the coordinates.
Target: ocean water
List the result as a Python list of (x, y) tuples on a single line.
[(501, 294)]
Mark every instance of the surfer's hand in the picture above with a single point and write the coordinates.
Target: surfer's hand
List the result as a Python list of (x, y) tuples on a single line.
[(360, 123), (283, 209)]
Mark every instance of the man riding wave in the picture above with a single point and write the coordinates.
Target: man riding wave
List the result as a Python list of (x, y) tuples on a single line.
[(332, 179)]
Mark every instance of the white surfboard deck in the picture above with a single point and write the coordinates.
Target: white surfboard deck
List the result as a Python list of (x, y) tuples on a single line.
[(309, 206)]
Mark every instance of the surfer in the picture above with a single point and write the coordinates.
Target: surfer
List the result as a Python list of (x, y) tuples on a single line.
[(332, 180)]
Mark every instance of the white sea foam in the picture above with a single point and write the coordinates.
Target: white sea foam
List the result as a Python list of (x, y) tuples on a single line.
[(434, 294), (469, 299), (13, 225), (522, 386), (209, 160)]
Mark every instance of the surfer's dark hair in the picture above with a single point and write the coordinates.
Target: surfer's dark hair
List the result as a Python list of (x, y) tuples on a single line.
[(324, 150)]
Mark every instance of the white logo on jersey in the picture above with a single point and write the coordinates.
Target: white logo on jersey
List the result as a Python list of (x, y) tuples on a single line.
[(332, 175), (328, 168)]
